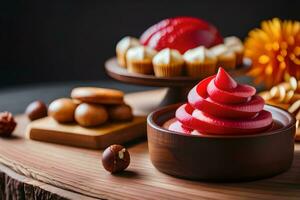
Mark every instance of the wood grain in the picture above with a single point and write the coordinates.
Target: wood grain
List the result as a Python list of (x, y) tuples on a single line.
[(80, 171), (48, 130)]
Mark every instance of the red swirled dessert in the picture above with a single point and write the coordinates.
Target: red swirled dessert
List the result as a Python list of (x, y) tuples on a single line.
[(219, 105)]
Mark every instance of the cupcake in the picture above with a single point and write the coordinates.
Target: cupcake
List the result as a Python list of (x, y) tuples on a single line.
[(239, 53), (236, 45), (168, 63), (200, 62), (226, 57), (232, 41), (122, 48), (139, 60)]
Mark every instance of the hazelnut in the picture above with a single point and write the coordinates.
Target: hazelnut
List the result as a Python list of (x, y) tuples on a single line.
[(90, 114), (62, 110), (7, 124), (115, 158), (120, 113), (36, 110)]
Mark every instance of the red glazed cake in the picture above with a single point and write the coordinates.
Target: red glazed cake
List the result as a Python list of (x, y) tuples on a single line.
[(219, 105), (181, 33)]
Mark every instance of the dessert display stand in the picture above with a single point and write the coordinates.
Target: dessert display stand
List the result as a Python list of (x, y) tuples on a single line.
[(177, 87)]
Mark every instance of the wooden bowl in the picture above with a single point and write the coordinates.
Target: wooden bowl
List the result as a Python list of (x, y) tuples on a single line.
[(221, 158)]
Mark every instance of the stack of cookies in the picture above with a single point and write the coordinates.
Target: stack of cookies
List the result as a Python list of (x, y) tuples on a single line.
[(287, 96), (90, 107), (199, 62)]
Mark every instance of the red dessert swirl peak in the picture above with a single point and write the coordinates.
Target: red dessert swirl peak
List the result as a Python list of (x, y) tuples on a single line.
[(220, 105), (224, 81)]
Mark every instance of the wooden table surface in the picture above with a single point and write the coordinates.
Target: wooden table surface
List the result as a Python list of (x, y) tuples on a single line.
[(55, 171)]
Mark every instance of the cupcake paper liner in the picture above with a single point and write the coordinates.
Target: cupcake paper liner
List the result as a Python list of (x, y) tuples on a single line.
[(239, 58), (227, 63), (200, 70), (141, 67), (168, 70), (121, 57)]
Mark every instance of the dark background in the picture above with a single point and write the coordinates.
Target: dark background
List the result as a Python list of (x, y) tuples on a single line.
[(61, 40)]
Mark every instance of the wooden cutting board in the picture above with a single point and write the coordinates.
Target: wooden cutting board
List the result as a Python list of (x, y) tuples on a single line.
[(48, 130)]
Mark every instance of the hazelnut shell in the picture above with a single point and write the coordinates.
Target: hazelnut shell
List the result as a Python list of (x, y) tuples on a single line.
[(36, 110), (115, 158), (7, 124)]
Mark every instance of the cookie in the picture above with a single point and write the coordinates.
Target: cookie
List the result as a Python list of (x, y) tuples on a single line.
[(120, 113), (90, 115), (62, 110), (98, 95)]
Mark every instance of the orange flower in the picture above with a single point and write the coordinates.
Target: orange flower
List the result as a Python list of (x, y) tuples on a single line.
[(274, 50)]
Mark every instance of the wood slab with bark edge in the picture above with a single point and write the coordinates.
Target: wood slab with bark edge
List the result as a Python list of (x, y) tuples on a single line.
[(79, 171), (16, 186)]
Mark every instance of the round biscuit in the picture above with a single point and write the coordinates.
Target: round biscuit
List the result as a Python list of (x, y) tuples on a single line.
[(98, 95)]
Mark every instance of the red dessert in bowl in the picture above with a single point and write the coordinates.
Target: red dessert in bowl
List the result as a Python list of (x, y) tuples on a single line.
[(223, 133), (219, 105)]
